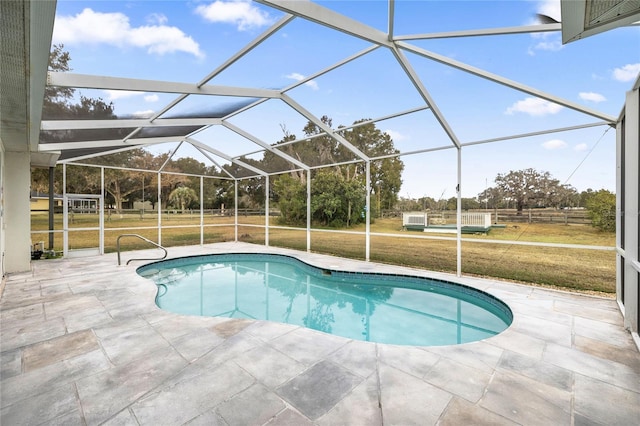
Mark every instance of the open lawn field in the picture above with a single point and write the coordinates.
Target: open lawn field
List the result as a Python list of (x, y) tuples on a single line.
[(574, 269)]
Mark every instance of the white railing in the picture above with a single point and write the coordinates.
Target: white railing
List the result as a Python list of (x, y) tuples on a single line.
[(419, 219), (476, 219)]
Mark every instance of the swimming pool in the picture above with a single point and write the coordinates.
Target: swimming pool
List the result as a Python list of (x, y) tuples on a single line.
[(383, 308)]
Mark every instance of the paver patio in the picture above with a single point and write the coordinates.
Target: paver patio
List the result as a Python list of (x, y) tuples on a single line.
[(82, 342)]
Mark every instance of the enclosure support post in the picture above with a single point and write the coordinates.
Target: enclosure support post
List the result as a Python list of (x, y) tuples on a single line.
[(101, 214), (308, 210), (51, 206), (368, 214), (159, 208), (266, 211), (235, 206), (459, 217), (65, 213), (201, 210)]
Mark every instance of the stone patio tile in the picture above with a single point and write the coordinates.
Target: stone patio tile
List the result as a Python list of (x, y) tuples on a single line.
[(42, 408), (196, 343), (518, 342), (22, 315), (410, 359), (269, 330), (230, 327), (580, 420), (597, 368), (209, 418), (549, 331), (538, 370), (76, 303), (73, 418), (185, 400), (462, 412), (106, 393), (318, 389), (118, 326), (541, 310), (231, 348), (44, 379), (479, 355), (59, 349), (253, 406), (607, 311), (356, 356), (612, 334), (606, 404), (626, 356), (458, 379), (86, 320), (288, 417), (10, 363), (133, 344), (360, 407), (406, 400), (527, 401), (123, 418), (56, 290), (176, 325), (308, 346), (270, 366), (18, 337)]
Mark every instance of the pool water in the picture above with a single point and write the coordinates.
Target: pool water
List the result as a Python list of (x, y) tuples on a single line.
[(382, 308)]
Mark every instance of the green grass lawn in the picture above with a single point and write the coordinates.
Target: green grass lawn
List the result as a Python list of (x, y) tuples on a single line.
[(574, 269)]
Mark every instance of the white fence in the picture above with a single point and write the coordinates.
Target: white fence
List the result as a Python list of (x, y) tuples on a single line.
[(416, 219)]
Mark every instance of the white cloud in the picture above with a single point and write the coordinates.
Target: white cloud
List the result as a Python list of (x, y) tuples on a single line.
[(91, 27), (143, 114), (581, 147), (157, 18), (554, 144), (628, 72), (151, 98), (534, 107), (112, 95), (591, 96), (396, 136), (550, 8), (239, 12), (550, 45), (299, 77)]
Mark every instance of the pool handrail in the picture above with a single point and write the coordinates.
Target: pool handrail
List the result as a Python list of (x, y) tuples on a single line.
[(142, 238)]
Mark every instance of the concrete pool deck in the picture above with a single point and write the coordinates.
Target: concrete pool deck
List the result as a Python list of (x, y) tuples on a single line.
[(82, 342)]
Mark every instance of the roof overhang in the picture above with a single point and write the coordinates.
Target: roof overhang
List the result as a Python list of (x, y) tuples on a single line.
[(584, 18), (25, 40)]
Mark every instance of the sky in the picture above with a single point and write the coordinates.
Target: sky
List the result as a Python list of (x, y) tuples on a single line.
[(184, 41)]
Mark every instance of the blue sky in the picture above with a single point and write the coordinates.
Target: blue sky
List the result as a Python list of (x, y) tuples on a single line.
[(185, 40)]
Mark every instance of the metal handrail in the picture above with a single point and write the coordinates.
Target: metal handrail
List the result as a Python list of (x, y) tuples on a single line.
[(142, 238)]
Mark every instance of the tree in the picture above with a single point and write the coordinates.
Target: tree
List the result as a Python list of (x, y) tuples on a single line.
[(321, 149), (531, 188), (182, 196), (602, 210)]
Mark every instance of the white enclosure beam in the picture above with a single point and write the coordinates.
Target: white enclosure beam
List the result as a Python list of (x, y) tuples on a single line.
[(525, 29), (124, 123), (413, 76), (220, 154), (506, 82), (328, 130), (327, 17), (61, 146), (265, 145), (85, 81)]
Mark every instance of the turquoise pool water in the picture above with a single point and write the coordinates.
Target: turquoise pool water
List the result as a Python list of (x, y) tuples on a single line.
[(395, 309)]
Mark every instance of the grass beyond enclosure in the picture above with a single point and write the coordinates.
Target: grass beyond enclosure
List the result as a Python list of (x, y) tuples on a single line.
[(575, 269)]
